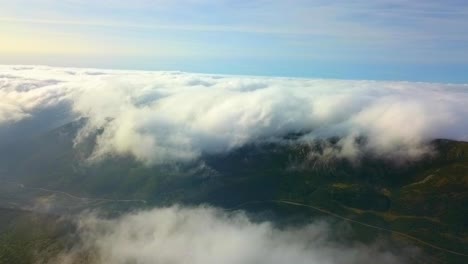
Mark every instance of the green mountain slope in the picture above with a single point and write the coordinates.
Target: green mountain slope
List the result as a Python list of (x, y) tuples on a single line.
[(425, 199)]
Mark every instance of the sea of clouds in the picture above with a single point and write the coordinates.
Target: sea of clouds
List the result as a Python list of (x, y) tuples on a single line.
[(205, 235), (160, 117), (175, 116)]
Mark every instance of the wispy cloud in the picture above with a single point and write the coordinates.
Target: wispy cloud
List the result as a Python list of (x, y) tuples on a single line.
[(209, 28), (374, 21)]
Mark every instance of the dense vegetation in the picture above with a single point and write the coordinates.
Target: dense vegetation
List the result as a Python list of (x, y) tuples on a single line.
[(426, 198)]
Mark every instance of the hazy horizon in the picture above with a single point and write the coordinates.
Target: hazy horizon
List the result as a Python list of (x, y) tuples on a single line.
[(381, 40)]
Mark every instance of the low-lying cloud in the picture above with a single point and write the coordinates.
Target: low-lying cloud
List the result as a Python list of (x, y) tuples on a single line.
[(165, 116), (203, 235)]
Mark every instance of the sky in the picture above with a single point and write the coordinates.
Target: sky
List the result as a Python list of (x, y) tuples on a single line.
[(362, 39)]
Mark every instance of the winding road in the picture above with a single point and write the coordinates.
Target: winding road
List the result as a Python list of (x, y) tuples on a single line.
[(286, 202), (372, 226), (353, 221)]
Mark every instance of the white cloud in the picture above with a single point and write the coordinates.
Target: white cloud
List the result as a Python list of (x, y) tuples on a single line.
[(204, 235), (164, 116)]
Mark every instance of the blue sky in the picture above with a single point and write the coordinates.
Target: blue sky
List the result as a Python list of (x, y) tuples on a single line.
[(379, 39)]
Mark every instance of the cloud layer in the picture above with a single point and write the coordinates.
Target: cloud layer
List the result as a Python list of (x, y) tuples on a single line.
[(205, 235), (166, 116)]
